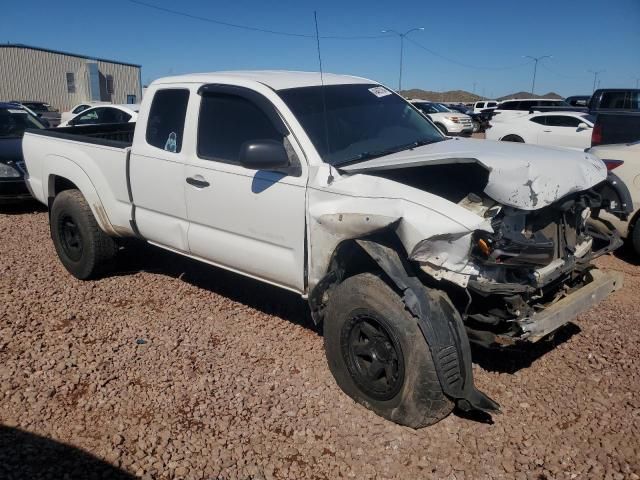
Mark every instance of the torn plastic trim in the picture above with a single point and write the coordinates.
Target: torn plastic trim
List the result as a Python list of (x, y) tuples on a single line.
[(441, 326)]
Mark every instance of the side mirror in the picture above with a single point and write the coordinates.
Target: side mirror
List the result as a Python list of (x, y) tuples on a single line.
[(264, 155), (583, 126)]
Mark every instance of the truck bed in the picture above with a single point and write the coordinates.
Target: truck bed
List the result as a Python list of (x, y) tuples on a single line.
[(119, 135), (101, 152)]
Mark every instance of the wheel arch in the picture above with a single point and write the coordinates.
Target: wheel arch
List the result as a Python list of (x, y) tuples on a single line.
[(436, 316), (65, 175)]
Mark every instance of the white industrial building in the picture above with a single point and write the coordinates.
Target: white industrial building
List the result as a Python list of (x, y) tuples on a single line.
[(65, 79)]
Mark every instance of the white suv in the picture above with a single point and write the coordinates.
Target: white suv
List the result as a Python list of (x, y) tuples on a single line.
[(508, 109), (478, 107), (448, 121)]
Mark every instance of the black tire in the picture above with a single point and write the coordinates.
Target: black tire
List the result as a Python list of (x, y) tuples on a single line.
[(365, 318), (512, 138), (442, 128), (476, 126), (82, 246)]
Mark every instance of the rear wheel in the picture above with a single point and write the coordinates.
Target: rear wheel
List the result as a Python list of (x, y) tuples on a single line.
[(378, 355), (442, 128), (83, 248), (512, 138)]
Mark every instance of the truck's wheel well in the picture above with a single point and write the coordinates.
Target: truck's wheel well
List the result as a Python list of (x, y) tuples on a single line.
[(59, 184), (348, 259)]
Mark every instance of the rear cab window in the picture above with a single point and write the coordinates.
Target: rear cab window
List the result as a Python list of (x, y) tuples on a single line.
[(165, 125)]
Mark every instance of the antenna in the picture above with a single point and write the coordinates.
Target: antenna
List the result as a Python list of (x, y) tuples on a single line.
[(324, 100)]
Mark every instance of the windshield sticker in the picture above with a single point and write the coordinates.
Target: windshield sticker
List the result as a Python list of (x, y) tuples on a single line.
[(10, 110), (172, 143), (380, 91)]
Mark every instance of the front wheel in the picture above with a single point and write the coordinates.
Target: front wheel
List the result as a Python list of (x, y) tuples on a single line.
[(82, 246), (378, 355)]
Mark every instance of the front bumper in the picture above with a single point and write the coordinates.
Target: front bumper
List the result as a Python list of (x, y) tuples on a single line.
[(459, 128), (546, 321), (13, 190)]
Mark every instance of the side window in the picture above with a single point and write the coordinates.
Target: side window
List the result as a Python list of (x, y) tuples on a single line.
[(526, 104), (613, 100), (508, 106), (166, 119), (90, 117), (563, 121), (491, 104), (480, 105), (80, 108), (228, 121), (113, 115), (539, 120)]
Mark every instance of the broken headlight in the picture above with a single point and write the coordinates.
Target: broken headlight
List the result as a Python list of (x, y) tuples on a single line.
[(519, 249)]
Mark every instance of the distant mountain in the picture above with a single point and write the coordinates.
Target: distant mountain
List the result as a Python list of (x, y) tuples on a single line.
[(450, 96), (515, 96), (463, 96)]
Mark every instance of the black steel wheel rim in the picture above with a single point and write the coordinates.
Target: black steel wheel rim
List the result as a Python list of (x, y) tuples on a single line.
[(70, 237), (374, 356)]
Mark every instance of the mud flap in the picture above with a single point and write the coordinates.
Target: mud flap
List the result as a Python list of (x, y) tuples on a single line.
[(441, 326), (616, 196)]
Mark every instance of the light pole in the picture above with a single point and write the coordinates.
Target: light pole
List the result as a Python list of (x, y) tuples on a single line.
[(535, 68), (595, 77), (401, 35)]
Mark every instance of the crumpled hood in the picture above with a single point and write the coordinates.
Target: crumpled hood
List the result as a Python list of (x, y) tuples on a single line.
[(528, 177)]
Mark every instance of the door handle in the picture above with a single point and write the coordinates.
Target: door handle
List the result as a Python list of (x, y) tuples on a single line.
[(197, 183), (547, 131)]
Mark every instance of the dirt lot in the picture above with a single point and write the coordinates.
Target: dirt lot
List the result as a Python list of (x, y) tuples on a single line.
[(172, 369)]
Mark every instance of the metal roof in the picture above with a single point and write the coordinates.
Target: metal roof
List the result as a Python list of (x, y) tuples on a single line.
[(60, 52), (276, 79)]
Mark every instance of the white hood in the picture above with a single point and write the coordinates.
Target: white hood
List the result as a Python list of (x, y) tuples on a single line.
[(522, 176)]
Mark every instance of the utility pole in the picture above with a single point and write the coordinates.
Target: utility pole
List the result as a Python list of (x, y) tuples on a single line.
[(474, 88), (535, 68), (595, 77), (401, 35)]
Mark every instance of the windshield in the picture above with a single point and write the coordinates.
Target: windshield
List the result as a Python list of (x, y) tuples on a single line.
[(13, 122), (441, 108), (362, 121)]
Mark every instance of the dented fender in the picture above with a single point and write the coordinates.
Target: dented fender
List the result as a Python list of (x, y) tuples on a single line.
[(360, 205)]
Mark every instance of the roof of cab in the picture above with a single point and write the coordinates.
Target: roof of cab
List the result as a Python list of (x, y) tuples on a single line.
[(275, 79)]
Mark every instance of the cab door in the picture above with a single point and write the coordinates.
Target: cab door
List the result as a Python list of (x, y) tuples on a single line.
[(157, 167), (246, 220), (564, 131)]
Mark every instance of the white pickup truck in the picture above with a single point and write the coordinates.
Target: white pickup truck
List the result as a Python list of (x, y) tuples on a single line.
[(406, 243)]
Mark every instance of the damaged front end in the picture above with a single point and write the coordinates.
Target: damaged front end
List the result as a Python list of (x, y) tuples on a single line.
[(531, 272)]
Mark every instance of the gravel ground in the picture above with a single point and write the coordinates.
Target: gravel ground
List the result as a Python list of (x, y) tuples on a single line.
[(172, 369)]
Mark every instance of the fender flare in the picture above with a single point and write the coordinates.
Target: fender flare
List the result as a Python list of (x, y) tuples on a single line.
[(59, 166), (441, 325)]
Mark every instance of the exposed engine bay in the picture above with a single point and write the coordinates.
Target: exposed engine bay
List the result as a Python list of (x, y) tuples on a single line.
[(525, 262)]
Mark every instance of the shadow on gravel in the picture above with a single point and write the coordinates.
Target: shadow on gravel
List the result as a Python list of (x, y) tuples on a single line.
[(25, 456), (138, 256), (512, 359), (22, 207), (627, 254)]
